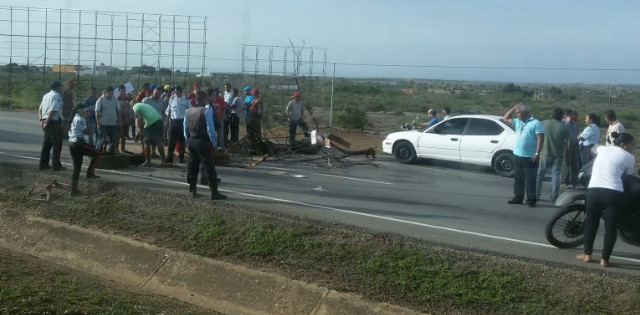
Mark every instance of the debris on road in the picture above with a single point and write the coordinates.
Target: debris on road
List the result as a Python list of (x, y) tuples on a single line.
[(48, 193)]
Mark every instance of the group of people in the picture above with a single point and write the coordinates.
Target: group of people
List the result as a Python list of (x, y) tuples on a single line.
[(161, 114), (553, 144)]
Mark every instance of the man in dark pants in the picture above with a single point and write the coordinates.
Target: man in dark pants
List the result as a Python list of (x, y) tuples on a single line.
[(50, 116), (295, 115), (571, 166), (529, 141), (67, 105), (79, 148), (254, 116), (200, 133), (178, 104)]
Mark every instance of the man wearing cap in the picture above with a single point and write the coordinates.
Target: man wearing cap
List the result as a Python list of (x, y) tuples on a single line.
[(200, 133), (295, 115), (148, 118), (67, 106), (50, 116), (108, 119), (432, 117), (246, 103), (166, 94), (254, 127), (178, 104)]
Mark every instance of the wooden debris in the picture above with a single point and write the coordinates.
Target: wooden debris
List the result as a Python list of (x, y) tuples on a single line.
[(49, 191), (367, 152), (262, 159), (335, 139)]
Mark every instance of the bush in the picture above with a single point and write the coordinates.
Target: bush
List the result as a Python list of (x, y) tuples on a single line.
[(352, 118)]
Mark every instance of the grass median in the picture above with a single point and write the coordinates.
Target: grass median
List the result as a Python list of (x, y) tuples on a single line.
[(29, 285), (390, 268)]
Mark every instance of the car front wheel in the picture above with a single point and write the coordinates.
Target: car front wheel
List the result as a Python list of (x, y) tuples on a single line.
[(405, 153), (505, 164)]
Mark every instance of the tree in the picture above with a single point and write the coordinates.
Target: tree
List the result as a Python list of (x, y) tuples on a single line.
[(164, 72), (512, 88), (555, 91)]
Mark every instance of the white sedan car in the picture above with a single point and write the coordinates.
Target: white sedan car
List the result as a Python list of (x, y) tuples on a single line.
[(474, 139)]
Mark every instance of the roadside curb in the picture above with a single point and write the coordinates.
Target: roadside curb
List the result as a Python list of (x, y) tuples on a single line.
[(204, 282)]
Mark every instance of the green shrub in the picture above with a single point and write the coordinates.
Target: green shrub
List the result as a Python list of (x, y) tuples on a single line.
[(352, 118)]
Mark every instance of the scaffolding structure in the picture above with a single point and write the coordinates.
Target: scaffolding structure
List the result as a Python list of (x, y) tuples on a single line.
[(296, 61), (38, 45)]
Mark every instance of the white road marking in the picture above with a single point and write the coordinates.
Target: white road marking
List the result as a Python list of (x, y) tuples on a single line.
[(329, 175), (380, 217), (34, 121), (446, 170)]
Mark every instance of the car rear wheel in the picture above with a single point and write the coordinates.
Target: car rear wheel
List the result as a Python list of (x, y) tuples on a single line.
[(505, 164), (405, 153)]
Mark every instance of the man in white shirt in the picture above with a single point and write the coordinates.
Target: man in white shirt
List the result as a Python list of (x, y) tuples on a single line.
[(614, 125), (178, 104), (446, 111), (50, 116)]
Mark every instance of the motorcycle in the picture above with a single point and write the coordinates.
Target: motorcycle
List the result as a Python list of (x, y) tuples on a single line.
[(565, 228)]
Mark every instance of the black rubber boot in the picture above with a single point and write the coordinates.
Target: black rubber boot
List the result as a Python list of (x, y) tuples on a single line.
[(192, 187), (215, 195)]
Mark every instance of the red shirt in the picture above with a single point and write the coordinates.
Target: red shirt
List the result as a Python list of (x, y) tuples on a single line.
[(221, 108)]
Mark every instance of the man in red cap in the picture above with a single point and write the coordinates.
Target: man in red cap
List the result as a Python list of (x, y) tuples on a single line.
[(295, 114), (67, 106)]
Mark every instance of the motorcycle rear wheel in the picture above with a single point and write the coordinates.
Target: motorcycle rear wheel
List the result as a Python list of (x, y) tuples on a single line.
[(565, 228)]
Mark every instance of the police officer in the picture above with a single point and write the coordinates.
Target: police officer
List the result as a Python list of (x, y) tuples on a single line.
[(50, 115), (79, 148), (178, 104), (200, 133)]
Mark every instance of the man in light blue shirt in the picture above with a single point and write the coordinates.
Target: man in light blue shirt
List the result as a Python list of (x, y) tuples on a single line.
[(529, 141), (589, 137)]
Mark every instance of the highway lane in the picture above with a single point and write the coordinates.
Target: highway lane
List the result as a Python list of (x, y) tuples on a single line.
[(438, 201)]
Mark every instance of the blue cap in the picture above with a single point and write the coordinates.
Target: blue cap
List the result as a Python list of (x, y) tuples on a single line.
[(247, 88), (152, 86)]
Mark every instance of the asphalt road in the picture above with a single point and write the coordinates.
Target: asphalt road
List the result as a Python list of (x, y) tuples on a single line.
[(438, 201)]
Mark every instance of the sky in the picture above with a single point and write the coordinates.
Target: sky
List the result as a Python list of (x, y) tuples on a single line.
[(547, 41)]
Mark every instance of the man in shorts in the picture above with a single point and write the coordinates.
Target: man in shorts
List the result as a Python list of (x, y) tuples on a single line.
[(149, 118)]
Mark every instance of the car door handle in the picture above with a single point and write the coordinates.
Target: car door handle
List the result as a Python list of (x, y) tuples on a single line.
[(494, 141), (454, 139)]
